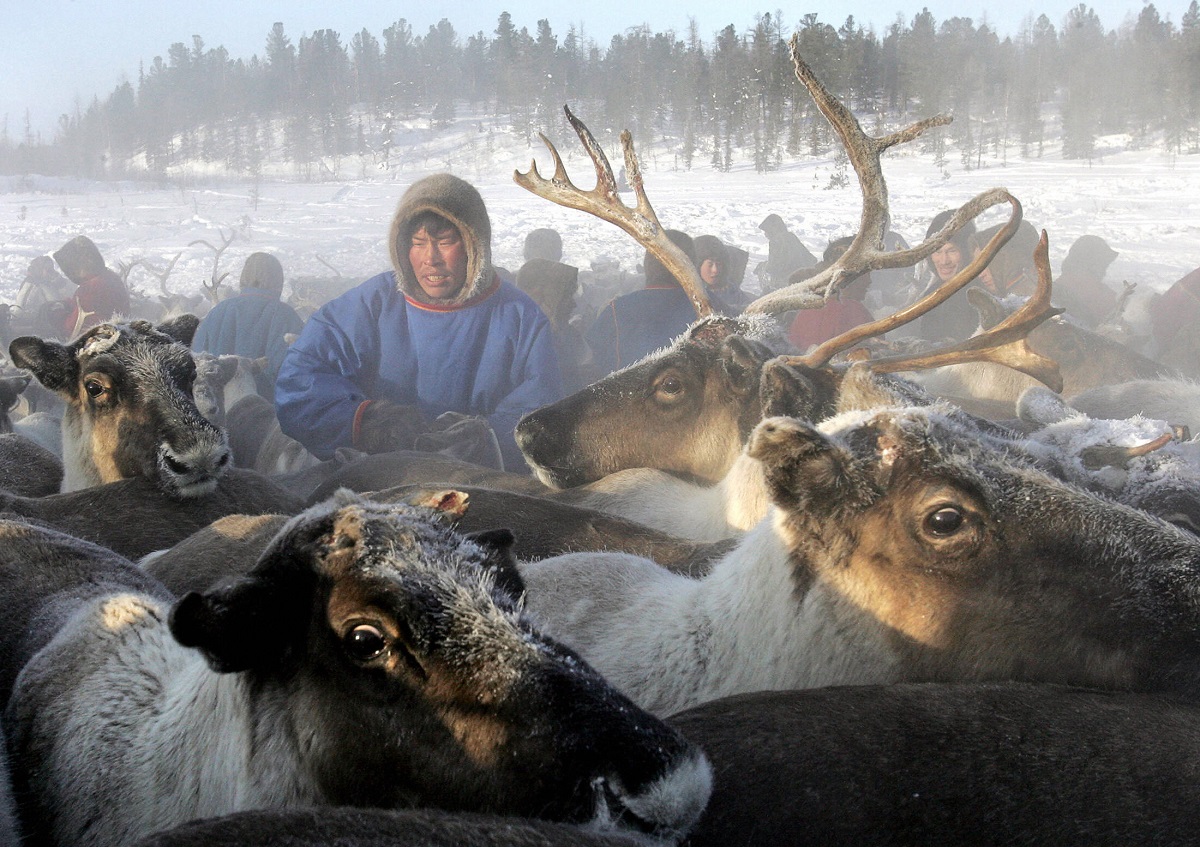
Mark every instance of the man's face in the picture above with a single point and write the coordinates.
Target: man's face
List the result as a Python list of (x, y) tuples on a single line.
[(710, 269), (947, 260), (439, 262)]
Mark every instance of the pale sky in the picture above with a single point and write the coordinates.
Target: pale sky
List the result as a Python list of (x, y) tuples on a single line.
[(60, 52)]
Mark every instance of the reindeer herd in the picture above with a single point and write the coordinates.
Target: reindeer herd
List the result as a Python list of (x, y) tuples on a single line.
[(749, 595)]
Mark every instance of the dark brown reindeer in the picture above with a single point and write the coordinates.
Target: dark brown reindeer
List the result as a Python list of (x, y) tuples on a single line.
[(696, 402), (946, 765), (230, 545), (132, 517), (371, 657), (129, 407)]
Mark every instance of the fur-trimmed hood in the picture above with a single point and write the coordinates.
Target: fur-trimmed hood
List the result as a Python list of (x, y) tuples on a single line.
[(459, 202)]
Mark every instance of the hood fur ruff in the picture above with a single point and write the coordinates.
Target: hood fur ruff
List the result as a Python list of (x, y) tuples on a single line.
[(460, 203)]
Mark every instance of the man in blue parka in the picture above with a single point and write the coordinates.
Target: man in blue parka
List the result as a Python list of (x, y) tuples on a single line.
[(437, 339), (642, 321), (254, 323)]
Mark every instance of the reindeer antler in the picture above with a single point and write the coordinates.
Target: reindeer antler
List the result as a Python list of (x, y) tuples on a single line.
[(1004, 344), (604, 202), (162, 273), (866, 252), (211, 288)]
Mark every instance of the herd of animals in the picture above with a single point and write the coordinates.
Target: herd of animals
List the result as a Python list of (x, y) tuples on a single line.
[(748, 596), (807, 603)]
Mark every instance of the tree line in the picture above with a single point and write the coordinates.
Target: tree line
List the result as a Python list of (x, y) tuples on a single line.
[(714, 102)]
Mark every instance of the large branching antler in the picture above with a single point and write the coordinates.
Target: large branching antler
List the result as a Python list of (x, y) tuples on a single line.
[(826, 351), (866, 252), (1004, 344), (604, 202)]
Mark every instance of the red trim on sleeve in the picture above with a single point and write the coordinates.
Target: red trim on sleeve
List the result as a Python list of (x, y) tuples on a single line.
[(358, 413)]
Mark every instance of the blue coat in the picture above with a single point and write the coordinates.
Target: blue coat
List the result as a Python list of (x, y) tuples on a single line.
[(638, 323), (492, 357), (251, 324)]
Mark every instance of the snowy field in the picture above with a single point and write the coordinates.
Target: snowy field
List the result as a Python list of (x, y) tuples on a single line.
[(1145, 203)]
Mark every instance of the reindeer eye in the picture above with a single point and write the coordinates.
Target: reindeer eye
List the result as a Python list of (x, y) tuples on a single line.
[(93, 388), (672, 386), (945, 520), (364, 642)]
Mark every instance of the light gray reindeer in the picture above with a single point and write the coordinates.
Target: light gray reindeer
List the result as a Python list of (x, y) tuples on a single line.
[(900, 548)]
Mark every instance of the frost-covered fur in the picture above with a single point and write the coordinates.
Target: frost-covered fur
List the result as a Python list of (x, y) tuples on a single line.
[(1088, 451), (372, 657), (850, 579), (1174, 400)]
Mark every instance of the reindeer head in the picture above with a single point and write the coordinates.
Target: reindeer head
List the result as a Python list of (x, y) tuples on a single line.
[(976, 564), (130, 412)]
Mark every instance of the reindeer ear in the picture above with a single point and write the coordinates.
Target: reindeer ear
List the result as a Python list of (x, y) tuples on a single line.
[(182, 328), (990, 310), (227, 366), (742, 362), (237, 626), (260, 620), (52, 363), (788, 390), (498, 547)]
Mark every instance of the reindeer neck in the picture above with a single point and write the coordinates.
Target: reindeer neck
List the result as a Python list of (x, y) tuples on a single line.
[(200, 745), (79, 468)]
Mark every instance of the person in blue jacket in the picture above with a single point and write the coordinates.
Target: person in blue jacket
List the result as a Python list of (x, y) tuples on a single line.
[(437, 340), (253, 323), (642, 321)]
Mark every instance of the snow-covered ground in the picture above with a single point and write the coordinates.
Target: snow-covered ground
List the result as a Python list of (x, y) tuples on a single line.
[(1144, 202)]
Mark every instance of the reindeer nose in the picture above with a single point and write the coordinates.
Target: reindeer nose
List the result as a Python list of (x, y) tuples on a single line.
[(529, 430)]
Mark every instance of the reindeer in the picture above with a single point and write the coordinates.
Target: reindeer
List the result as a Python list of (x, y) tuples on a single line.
[(129, 407), (695, 403), (371, 657), (230, 545), (900, 548), (1086, 360), (348, 826), (944, 765), (132, 517), (222, 381)]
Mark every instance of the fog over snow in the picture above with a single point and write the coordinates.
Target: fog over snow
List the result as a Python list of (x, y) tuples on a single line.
[(1145, 203)]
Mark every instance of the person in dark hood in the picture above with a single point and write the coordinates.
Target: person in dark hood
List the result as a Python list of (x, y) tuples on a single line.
[(100, 296), (253, 323), (956, 318), (1079, 286), (554, 285), (786, 254), (420, 354), (718, 270)]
